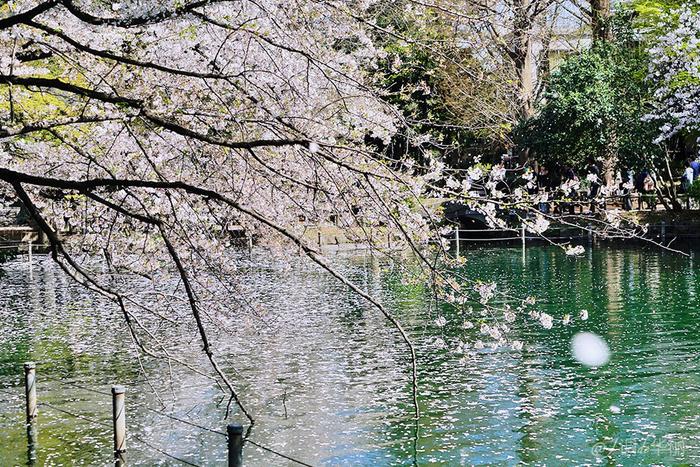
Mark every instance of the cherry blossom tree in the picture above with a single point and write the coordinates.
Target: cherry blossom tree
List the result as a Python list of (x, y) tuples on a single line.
[(141, 137), (675, 71)]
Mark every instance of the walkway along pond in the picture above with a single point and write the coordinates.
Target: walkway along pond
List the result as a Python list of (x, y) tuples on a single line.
[(327, 378)]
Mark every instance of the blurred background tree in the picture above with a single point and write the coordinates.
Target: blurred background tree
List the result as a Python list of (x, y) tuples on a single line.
[(594, 103)]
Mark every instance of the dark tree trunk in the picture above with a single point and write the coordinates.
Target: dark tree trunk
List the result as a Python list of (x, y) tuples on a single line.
[(602, 32), (600, 20), (522, 58), (608, 155)]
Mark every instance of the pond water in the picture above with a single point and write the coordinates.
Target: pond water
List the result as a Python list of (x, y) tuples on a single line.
[(328, 379)]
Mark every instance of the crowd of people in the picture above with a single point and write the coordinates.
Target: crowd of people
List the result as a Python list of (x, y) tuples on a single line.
[(571, 187), (690, 174)]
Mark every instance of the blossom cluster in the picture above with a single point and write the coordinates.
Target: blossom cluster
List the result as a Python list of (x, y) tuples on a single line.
[(675, 72)]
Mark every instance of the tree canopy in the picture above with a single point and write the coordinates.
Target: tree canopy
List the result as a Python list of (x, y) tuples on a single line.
[(596, 99)]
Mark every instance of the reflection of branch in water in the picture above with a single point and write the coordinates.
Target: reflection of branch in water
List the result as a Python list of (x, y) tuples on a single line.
[(284, 402), (416, 436)]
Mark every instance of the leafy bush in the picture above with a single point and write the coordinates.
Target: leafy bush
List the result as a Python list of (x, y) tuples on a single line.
[(594, 105), (694, 190)]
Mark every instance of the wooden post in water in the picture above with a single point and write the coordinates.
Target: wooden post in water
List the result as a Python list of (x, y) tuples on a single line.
[(119, 422), (30, 390), (663, 230), (32, 443), (32, 411), (457, 240), (522, 237), (29, 250), (235, 444)]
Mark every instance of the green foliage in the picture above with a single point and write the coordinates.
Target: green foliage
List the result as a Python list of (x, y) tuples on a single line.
[(683, 79), (595, 101), (649, 12), (409, 75), (694, 190), (33, 106)]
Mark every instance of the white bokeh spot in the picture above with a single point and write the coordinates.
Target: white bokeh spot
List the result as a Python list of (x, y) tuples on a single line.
[(590, 349)]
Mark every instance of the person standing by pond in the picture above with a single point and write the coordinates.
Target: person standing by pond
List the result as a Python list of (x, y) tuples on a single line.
[(569, 185), (688, 176), (626, 186), (645, 186), (544, 183), (593, 177), (696, 168)]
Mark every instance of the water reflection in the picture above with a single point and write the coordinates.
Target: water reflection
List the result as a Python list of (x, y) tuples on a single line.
[(32, 443), (329, 382)]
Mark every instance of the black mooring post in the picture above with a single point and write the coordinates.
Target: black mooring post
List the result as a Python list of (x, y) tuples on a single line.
[(235, 444)]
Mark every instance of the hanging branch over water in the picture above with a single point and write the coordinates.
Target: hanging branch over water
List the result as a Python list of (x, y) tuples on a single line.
[(147, 133)]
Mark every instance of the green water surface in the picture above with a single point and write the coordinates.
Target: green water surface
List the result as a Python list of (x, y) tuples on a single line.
[(329, 383)]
